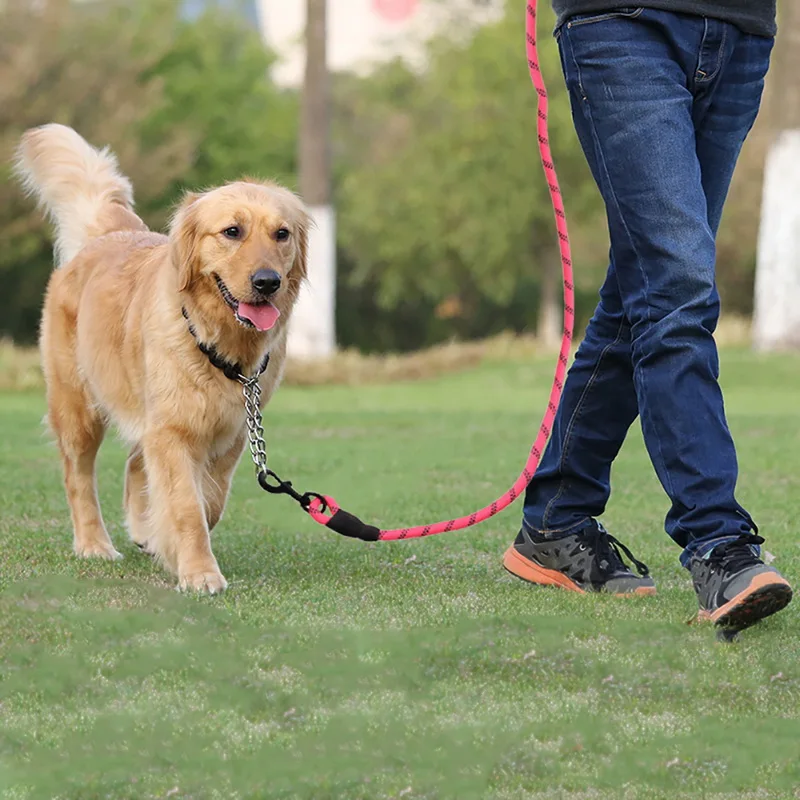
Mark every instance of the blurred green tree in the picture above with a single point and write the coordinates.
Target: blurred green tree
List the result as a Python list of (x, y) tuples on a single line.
[(445, 224), (442, 200), (184, 103), (73, 64), (215, 84)]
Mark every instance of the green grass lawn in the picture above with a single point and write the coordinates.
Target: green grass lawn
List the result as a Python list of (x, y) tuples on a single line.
[(338, 669)]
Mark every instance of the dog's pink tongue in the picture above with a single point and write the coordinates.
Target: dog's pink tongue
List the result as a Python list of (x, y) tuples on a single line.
[(263, 316)]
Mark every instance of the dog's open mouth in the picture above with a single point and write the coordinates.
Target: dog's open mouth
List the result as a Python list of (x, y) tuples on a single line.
[(261, 316)]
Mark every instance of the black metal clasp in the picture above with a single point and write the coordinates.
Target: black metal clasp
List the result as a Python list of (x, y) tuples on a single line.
[(281, 486)]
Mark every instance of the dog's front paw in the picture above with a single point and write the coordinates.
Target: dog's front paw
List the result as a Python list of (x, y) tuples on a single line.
[(95, 549), (208, 582)]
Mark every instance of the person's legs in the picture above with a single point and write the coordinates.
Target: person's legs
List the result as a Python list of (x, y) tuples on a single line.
[(662, 145), (572, 483), (598, 405), (631, 81), (733, 586), (728, 84)]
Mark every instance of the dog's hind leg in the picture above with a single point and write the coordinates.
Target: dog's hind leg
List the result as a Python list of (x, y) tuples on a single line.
[(136, 501), (79, 431)]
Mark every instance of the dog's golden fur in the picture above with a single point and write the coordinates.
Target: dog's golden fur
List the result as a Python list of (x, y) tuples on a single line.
[(116, 348)]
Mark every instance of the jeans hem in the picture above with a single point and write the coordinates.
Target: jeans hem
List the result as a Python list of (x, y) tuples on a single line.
[(557, 532), (701, 548)]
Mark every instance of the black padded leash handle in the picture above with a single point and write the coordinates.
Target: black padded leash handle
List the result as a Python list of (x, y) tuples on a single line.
[(350, 525)]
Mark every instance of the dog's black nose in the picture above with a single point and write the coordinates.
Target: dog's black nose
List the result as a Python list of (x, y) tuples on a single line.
[(266, 281)]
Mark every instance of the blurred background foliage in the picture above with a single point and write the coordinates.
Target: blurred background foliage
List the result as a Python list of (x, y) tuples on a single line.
[(444, 223)]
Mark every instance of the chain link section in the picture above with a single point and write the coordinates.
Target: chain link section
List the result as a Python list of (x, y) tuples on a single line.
[(268, 480), (251, 389)]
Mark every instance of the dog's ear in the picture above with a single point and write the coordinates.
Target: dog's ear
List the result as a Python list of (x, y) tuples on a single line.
[(300, 266), (302, 225), (184, 239)]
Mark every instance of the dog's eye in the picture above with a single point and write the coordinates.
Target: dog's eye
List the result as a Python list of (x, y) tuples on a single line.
[(234, 232), (282, 234)]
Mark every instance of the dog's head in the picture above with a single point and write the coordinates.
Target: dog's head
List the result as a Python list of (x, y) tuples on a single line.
[(240, 252)]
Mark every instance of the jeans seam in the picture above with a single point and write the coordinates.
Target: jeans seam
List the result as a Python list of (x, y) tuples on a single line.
[(705, 77), (602, 17), (563, 484), (604, 171), (699, 74)]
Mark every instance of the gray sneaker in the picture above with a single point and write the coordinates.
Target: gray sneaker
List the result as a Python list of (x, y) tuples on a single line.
[(586, 560), (734, 587)]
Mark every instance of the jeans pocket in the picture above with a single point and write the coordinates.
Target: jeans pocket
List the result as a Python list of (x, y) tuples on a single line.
[(625, 12)]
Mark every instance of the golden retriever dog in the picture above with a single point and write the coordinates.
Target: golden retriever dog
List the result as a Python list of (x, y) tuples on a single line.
[(125, 315)]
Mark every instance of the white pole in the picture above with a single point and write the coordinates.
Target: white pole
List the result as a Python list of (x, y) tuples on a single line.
[(312, 329), (776, 320)]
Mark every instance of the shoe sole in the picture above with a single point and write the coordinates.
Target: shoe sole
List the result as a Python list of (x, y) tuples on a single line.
[(766, 595), (530, 571)]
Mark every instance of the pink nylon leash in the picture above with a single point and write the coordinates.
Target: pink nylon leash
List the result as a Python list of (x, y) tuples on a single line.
[(326, 511)]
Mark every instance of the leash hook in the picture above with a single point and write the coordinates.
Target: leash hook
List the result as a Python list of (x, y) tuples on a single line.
[(281, 486)]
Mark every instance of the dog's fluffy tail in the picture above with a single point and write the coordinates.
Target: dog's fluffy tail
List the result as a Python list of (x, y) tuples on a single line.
[(80, 187)]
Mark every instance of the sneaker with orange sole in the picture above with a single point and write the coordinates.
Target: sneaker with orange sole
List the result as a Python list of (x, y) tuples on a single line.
[(585, 560), (735, 588)]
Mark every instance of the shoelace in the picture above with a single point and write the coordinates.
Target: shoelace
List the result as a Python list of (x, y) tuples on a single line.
[(736, 555), (607, 548)]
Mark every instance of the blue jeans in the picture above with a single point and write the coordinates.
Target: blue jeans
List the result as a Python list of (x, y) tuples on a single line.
[(662, 103)]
